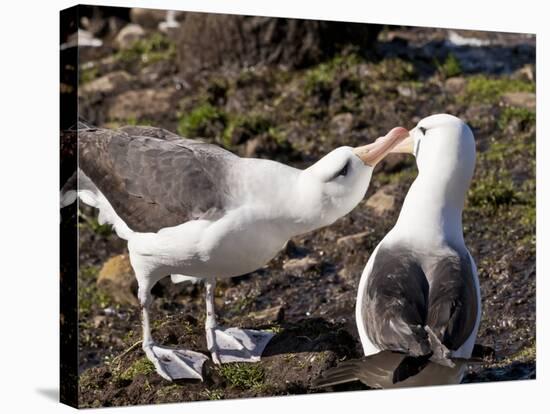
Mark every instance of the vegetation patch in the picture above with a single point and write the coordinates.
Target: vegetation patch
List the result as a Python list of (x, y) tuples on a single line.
[(212, 395), (492, 191), (129, 121), (450, 67), (89, 295), (88, 74), (168, 391), (243, 375), (141, 366), (395, 69), (201, 120), (91, 222), (242, 304), (321, 78), (505, 150), (155, 48), (484, 89), (241, 128), (528, 353), (522, 117)]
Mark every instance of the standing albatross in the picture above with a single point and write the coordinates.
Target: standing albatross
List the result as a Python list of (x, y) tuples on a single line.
[(194, 210), (418, 303)]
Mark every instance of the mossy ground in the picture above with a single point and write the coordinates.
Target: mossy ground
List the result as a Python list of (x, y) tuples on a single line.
[(154, 48), (289, 115)]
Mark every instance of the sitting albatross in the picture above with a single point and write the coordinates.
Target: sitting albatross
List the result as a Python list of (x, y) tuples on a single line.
[(418, 304), (194, 210)]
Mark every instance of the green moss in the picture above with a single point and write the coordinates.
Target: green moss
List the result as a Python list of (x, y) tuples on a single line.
[(492, 191), (88, 293), (407, 175), (243, 375), (501, 151), (146, 51), (91, 223), (242, 304), (88, 74), (141, 366), (134, 121), (276, 329), (451, 67), (528, 198), (198, 120), (481, 88), (241, 128), (213, 395), (528, 353), (395, 69), (528, 216), (521, 116), (321, 77), (168, 391)]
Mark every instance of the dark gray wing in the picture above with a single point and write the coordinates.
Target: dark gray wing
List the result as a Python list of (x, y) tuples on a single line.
[(396, 303), (389, 369), (452, 302), (153, 182), (376, 371), (419, 311), (149, 131)]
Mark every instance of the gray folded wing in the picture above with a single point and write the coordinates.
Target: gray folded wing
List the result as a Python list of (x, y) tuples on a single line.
[(389, 369), (154, 179)]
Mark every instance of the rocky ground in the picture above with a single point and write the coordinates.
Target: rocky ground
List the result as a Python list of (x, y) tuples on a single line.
[(306, 295)]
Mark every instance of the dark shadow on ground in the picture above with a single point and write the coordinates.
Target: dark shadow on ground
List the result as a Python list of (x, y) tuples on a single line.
[(311, 335)]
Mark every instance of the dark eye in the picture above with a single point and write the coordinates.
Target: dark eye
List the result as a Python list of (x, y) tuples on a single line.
[(344, 171), (422, 129)]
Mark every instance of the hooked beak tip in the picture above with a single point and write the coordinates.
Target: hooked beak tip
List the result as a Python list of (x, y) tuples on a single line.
[(372, 154)]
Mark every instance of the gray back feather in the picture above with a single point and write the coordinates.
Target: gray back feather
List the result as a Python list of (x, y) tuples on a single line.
[(404, 301), (154, 179)]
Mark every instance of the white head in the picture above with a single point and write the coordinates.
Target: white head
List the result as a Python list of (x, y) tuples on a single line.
[(336, 183), (445, 153)]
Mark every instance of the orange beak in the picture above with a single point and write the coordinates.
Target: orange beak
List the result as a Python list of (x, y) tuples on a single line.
[(372, 154)]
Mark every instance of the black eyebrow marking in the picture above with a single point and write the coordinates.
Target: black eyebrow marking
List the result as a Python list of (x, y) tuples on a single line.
[(422, 129)]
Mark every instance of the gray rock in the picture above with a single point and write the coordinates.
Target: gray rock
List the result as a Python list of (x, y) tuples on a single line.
[(300, 265), (109, 83), (382, 201), (151, 18), (455, 84), (128, 35), (144, 103), (406, 91), (342, 123), (521, 99), (147, 18)]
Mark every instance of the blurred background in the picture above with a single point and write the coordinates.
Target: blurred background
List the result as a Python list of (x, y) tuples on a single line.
[(292, 90)]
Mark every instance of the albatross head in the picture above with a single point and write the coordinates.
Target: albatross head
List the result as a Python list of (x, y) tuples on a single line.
[(339, 180), (445, 153)]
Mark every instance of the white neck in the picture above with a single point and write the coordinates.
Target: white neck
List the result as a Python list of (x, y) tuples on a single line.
[(428, 217)]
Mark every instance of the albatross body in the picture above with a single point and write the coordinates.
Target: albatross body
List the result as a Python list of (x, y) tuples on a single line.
[(195, 211), (418, 303)]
